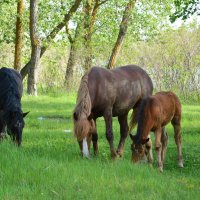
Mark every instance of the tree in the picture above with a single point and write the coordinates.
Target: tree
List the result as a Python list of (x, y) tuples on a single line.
[(122, 32), (185, 8), (82, 37), (90, 14), (52, 35), (19, 35), (73, 54), (35, 49)]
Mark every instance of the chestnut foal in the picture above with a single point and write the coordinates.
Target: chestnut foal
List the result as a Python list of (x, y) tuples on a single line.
[(155, 113)]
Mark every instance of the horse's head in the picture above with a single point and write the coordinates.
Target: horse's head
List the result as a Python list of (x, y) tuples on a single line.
[(15, 125), (138, 148), (84, 126)]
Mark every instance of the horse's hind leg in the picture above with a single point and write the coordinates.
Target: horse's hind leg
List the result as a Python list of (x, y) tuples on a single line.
[(164, 141), (109, 133), (123, 133), (177, 137)]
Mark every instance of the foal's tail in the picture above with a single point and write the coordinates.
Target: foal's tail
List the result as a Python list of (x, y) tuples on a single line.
[(133, 120)]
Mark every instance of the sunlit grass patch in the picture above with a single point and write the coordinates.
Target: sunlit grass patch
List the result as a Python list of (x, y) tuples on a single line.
[(49, 165)]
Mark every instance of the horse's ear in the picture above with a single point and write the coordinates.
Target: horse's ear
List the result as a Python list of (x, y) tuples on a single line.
[(144, 141), (132, 137), (75, 116), (90, 117), (24, 114)]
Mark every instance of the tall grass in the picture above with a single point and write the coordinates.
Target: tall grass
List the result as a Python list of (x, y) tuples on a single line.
[(49, 165)]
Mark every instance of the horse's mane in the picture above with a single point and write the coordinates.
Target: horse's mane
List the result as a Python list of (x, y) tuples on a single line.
[(83, 102), (142, 117)]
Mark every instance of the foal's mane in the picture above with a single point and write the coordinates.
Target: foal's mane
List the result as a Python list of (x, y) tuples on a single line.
[(142, 117), (83, 102)]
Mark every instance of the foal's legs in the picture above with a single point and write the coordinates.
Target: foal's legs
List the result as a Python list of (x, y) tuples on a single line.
[(109, 133), (177, 137), (123, 133), (164, 141), (158, 147), (148, 151)]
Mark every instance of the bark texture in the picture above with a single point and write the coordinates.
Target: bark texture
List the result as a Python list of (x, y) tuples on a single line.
[(52, 35), (35, 49), (73, 55), (90, 15), (19, 35), (122, 32)]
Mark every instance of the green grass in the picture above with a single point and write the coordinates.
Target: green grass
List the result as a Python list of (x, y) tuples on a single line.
[(49, 166)]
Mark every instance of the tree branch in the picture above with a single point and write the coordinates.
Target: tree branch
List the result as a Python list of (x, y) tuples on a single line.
[(53, 34)]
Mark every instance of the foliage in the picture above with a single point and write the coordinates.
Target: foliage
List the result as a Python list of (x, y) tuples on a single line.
[(172, 60), (184, 9), (48, 165), (7, 18)]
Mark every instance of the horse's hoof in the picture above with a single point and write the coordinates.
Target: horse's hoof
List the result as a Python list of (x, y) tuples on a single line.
[(119, 153), (114, 155), (96, 153), (160, 169), (150, 165), (180, 164)]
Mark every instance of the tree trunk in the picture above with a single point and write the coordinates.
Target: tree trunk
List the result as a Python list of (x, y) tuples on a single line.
[(70, 65), (19, 35), (74, 42), (52, 35), (84, 31), (90, 14), (122, 32), (36, 49)]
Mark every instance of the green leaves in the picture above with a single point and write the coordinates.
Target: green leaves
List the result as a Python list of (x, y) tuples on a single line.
[(184, 9)]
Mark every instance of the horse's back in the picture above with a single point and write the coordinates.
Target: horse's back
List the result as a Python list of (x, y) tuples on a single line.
[(169, 103), (121, 87), (10, 79), (135, 75)]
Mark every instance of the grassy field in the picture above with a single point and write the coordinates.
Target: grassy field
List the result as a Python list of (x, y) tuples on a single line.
[(49, 166)]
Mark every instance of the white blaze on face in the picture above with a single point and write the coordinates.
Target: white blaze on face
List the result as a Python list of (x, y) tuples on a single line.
[(85, 148)]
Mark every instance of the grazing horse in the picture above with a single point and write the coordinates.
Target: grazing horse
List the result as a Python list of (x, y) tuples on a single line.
[(154, 114), (108, 93), (11, 115)]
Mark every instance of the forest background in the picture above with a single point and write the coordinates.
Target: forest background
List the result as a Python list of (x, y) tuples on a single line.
[(54, 42)]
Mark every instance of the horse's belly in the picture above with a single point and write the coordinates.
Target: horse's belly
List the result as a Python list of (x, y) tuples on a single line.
[(122, 108)]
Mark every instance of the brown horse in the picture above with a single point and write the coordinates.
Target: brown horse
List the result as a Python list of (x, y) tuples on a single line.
[(154, 114), (108, 93)]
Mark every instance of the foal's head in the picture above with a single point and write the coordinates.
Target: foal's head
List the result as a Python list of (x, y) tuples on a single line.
[(138, 148), (15, 124)]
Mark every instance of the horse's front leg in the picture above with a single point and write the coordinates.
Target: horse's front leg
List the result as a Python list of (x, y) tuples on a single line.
[(95, 139), (109, 132), (2, 131), (123, 133), (158, 147), (148, 151)]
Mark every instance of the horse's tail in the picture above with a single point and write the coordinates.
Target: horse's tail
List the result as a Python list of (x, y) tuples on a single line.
[(82, 110), (133, 120)]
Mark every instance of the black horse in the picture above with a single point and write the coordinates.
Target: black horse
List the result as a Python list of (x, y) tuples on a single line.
[(11, 115)]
